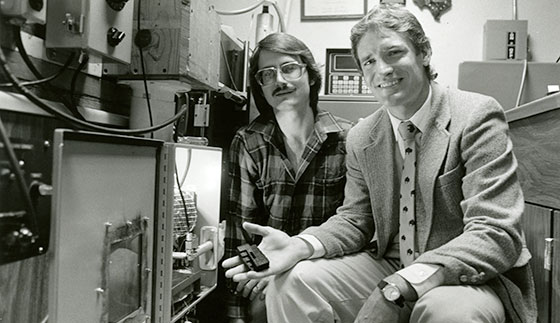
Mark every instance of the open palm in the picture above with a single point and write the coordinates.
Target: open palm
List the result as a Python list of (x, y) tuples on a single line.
[(282, 251)]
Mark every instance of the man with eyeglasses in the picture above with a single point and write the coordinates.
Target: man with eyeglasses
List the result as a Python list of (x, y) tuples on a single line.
[(287, 167), (430, 228)]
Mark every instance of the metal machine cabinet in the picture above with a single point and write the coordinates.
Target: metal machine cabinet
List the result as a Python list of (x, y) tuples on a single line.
[(180, 40), (190, 176), (120, 205), (104, 210)]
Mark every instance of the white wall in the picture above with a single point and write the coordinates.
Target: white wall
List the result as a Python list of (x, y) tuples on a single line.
[(456, 38)]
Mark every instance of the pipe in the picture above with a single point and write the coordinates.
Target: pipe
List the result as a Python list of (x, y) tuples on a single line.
[(194, 253)]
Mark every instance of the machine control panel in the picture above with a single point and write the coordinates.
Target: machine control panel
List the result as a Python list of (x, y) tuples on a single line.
[(342, 76)]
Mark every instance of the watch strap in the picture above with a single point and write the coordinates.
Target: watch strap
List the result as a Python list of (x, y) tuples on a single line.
[(399, 301)]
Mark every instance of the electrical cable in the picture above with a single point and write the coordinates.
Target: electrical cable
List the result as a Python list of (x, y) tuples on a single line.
[(23, 53), (187, 167), (16, 30), (24, 190), (182, 197), (522, 85), (143, 67), (84, 60), (240, 11), (73, 120), (558, 59), (253, 7), (46, 79)]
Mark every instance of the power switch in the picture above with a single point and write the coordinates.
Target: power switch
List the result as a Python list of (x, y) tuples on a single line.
[(114, 36)]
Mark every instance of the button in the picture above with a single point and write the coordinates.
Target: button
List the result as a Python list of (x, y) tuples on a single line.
[(463, 279)]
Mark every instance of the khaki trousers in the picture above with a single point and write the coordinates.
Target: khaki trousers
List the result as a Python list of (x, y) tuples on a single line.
[(334, 290)]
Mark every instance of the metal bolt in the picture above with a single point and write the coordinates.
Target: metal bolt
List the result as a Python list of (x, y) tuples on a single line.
[(100, 290), (25, 232), (46, 144)]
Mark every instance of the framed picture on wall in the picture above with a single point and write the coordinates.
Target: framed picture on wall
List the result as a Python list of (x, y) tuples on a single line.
[(332, 9)]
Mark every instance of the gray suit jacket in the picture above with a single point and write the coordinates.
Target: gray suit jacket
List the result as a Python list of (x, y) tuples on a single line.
[(466, 174)]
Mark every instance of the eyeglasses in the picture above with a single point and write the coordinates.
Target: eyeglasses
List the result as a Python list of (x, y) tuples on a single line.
[(290, 72)]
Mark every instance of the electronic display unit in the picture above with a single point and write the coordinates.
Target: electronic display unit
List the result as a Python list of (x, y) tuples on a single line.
[(342, 76)]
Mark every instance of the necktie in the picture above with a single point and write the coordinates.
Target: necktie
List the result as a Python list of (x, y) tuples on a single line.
[(407, 219)]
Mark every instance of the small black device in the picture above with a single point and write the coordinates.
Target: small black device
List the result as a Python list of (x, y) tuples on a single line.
[(252, 257)]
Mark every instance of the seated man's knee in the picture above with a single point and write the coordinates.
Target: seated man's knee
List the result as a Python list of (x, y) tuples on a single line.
[(302, 272), (305, 273), (450, 304)]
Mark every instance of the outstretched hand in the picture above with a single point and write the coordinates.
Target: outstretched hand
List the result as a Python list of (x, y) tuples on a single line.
[(282, 251)]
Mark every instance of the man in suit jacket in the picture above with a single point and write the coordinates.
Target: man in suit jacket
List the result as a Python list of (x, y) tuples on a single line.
[(467, 261)]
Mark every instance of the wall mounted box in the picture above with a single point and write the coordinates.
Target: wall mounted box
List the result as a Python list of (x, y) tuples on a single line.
[(505, 39), (183, 43), (84, 24)]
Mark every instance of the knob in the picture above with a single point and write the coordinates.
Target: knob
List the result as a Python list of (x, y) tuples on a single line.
[(114, 36), (117, 5), (36, 5), (143, 38)]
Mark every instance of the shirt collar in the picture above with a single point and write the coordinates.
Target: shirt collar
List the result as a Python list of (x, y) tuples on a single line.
[(325, 123), (418, 119)]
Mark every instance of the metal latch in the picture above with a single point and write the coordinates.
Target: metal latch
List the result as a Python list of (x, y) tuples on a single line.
[(548, 249), (73, 24)]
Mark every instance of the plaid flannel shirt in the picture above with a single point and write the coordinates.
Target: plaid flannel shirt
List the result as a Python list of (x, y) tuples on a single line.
[(268, 190)]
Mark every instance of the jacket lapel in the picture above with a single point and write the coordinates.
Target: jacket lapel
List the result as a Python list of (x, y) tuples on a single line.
[(381, 178), (435, 142)]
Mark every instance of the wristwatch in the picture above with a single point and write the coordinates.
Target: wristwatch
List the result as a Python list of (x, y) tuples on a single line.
[(391, 293)]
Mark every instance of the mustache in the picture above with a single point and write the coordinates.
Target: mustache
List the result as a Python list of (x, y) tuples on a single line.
[(280, 88)]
